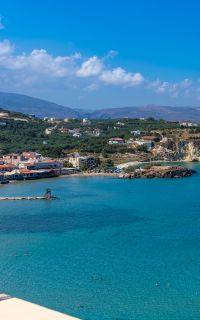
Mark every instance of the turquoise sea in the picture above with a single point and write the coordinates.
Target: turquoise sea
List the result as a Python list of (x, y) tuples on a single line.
[(107, 249)]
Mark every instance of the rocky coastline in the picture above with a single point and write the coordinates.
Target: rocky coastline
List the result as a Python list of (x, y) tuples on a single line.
[(159, 172)]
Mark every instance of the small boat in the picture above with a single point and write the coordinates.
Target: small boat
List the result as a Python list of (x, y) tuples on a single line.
[(5, 181)]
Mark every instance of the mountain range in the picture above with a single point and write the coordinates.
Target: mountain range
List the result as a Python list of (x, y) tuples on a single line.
[(42, 108)]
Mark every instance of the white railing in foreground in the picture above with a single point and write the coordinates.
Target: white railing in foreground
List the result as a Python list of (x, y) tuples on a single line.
[(17, 309)]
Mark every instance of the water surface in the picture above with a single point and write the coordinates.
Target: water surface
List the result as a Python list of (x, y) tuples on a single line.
[(107, 249)]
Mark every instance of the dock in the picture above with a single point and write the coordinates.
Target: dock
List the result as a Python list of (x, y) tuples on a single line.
[(18, 309), (46, 196), (27, 198)]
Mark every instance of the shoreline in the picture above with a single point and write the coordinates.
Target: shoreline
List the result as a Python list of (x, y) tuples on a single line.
[(106, 174), (137, 163), (90, 174)]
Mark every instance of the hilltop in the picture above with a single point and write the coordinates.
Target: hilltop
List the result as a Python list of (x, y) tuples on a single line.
[(30, 105), (42, 108), (155, 111)]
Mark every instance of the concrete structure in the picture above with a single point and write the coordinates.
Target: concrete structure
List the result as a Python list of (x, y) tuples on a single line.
[(13, 175), (7, 167), (136, 132), (12, 158), (17, 309), (77, 161), (31, 156), (49, 164)]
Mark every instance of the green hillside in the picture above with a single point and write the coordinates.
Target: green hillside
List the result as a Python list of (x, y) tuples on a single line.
[(19, 132)]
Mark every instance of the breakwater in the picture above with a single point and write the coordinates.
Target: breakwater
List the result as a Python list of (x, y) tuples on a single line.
[(27, 198)]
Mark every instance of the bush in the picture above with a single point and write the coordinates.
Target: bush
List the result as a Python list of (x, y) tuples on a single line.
[(129, 169)]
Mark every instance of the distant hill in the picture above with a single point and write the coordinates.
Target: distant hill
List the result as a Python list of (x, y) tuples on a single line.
[(38, 107), (155, 111), (43, 108)]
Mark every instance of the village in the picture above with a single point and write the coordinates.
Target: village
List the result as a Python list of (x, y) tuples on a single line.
[(30, 166), (33, 148), (158, 145)]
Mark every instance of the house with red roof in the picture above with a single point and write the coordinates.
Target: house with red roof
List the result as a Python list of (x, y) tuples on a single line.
[(116, 141)]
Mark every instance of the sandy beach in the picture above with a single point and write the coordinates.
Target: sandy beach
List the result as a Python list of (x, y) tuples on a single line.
[(91, 174)]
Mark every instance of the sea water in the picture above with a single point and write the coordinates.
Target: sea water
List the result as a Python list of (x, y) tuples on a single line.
[(106, 249)]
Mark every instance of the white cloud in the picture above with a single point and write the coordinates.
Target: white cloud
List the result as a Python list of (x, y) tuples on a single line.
[(5, 48), (92, 87), (39, 61), (119, 76), (174, 89), (39, 67), (186, 83), (111, 54), (91, 67), (95, 67)]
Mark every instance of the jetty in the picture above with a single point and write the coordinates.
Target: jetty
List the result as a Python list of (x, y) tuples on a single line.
[(46, 196), (18, 309)]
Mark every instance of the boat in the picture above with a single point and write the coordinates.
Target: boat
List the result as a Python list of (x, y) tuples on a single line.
[(5, 181)]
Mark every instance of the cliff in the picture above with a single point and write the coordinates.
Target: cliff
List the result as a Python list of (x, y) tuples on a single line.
[(184, 150)]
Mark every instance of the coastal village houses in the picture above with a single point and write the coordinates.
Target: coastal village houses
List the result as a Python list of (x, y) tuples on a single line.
[(29, 165), (77, 161)]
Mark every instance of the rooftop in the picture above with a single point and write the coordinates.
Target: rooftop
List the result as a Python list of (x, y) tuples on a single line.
[(148, 137), (117, 139)]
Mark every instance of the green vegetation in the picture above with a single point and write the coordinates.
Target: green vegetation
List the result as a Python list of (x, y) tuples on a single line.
[(129, 169), (29, 134)]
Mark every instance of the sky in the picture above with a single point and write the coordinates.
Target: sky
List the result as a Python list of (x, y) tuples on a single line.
[(103, 53)]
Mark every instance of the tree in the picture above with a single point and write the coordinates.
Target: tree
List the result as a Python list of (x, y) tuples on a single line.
[(108, 163)]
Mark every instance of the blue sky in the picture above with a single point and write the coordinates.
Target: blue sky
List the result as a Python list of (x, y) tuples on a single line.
[(95, 54)]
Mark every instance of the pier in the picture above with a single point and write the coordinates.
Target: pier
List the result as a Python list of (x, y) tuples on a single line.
[(46, 196), (27, 198)]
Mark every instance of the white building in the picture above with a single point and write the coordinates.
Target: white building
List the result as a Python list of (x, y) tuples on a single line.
[(77, 135), (48, 131), (49, 164), (187, 124), (136, 132), (121, 124), (86, 121), (12, 158), (78, 160), (116, 141)]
